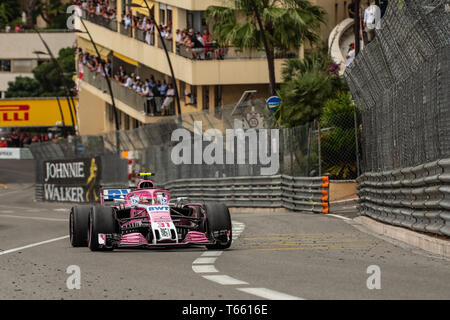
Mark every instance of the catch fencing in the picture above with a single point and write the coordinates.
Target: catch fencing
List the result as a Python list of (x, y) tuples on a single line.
[(303, 153), (310, 150), (400, 83)]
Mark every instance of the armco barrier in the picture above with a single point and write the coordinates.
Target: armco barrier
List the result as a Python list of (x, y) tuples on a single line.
[(295, 193), (416, 197)]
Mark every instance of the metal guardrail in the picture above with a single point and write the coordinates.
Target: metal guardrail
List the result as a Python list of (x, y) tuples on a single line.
[(294, 193), (417, 197)]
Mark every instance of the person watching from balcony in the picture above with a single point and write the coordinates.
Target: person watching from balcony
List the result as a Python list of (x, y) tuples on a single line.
[(179, 37), (121, 71), (372, 16), (207, 42), (163, 88), (352, 9), (168, 100), (127, 20), (350, 55)]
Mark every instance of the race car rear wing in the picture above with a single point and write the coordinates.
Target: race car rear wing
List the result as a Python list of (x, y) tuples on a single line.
[(111, 194)]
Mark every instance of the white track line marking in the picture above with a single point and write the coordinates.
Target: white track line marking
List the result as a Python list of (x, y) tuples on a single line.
[(338, 216), (204, 261), (32, 218), (225, 280), (204, 268), (32, 245), (211, 253), (269, 294)]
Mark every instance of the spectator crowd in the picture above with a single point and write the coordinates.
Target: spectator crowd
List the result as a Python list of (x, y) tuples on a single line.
[(158, 93), (16, 139), (189, 43)]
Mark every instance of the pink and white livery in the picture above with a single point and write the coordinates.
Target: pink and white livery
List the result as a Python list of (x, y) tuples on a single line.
[(146, 217)]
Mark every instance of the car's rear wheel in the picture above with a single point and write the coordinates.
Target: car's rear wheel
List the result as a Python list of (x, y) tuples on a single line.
[(218, 221), (101, 220), (78, 225)]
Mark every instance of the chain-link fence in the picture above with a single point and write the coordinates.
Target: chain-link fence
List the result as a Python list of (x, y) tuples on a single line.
[(211, 143), (400, 83)]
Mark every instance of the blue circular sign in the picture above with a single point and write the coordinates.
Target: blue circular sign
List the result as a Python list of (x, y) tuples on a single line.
[(273, 103)]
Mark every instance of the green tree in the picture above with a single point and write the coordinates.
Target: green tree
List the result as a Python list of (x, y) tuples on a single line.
[(338, 142), (48, 76), (47, 81), (307, 86), (23, 87), (268, 25), (53, 12), (9, 12)]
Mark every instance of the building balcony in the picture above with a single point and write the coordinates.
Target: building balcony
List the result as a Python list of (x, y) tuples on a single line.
[(229, 67), (126, 99)]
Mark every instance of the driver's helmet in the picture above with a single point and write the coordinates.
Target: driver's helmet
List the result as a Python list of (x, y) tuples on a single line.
[(145, 199)]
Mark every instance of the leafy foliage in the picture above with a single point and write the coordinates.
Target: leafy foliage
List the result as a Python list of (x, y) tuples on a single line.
[(23, 87), (47, 81), (287, 23), (308, 85), (338, 138), (9, 12)]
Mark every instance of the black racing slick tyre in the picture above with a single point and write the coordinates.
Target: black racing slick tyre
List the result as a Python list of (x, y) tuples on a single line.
[(78, 225), (218, 221), (101, 220)]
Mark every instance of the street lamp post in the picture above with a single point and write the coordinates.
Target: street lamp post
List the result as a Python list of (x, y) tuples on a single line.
[(174, 82), (108, 81), (61, 75)]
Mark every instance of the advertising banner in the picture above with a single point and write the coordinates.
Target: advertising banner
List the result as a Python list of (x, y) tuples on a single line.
[(75, 180), (34, 112), (9, 153)]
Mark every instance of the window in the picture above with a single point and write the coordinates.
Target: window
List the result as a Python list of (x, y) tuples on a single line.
[(169, 14), (127, 122), (183, 91), (205, 97), (162, 13), (218, 102), (193, 98), (5, 65), (218, 96), (25, 66)]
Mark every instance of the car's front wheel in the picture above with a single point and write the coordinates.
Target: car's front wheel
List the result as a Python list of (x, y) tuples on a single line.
[(78, 225), (218, 221), (101, 221)]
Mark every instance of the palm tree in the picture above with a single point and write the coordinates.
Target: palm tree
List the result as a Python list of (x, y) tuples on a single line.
[(266, 24)]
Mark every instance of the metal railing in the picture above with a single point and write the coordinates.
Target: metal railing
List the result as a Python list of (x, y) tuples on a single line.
[(100, 20), (417, 197), (280, 191), (126, 95), (168, 42)]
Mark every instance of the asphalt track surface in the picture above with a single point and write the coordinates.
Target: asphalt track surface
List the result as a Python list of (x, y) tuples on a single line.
[(275, 256)]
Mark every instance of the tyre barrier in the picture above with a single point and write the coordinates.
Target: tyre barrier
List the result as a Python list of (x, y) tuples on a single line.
[(417, 197), (294, 193)]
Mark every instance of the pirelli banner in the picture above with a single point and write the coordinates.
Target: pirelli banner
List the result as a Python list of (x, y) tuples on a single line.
[(75, 180)]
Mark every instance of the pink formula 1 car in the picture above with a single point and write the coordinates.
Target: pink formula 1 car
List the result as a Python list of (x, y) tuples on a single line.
[(146, 217)]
